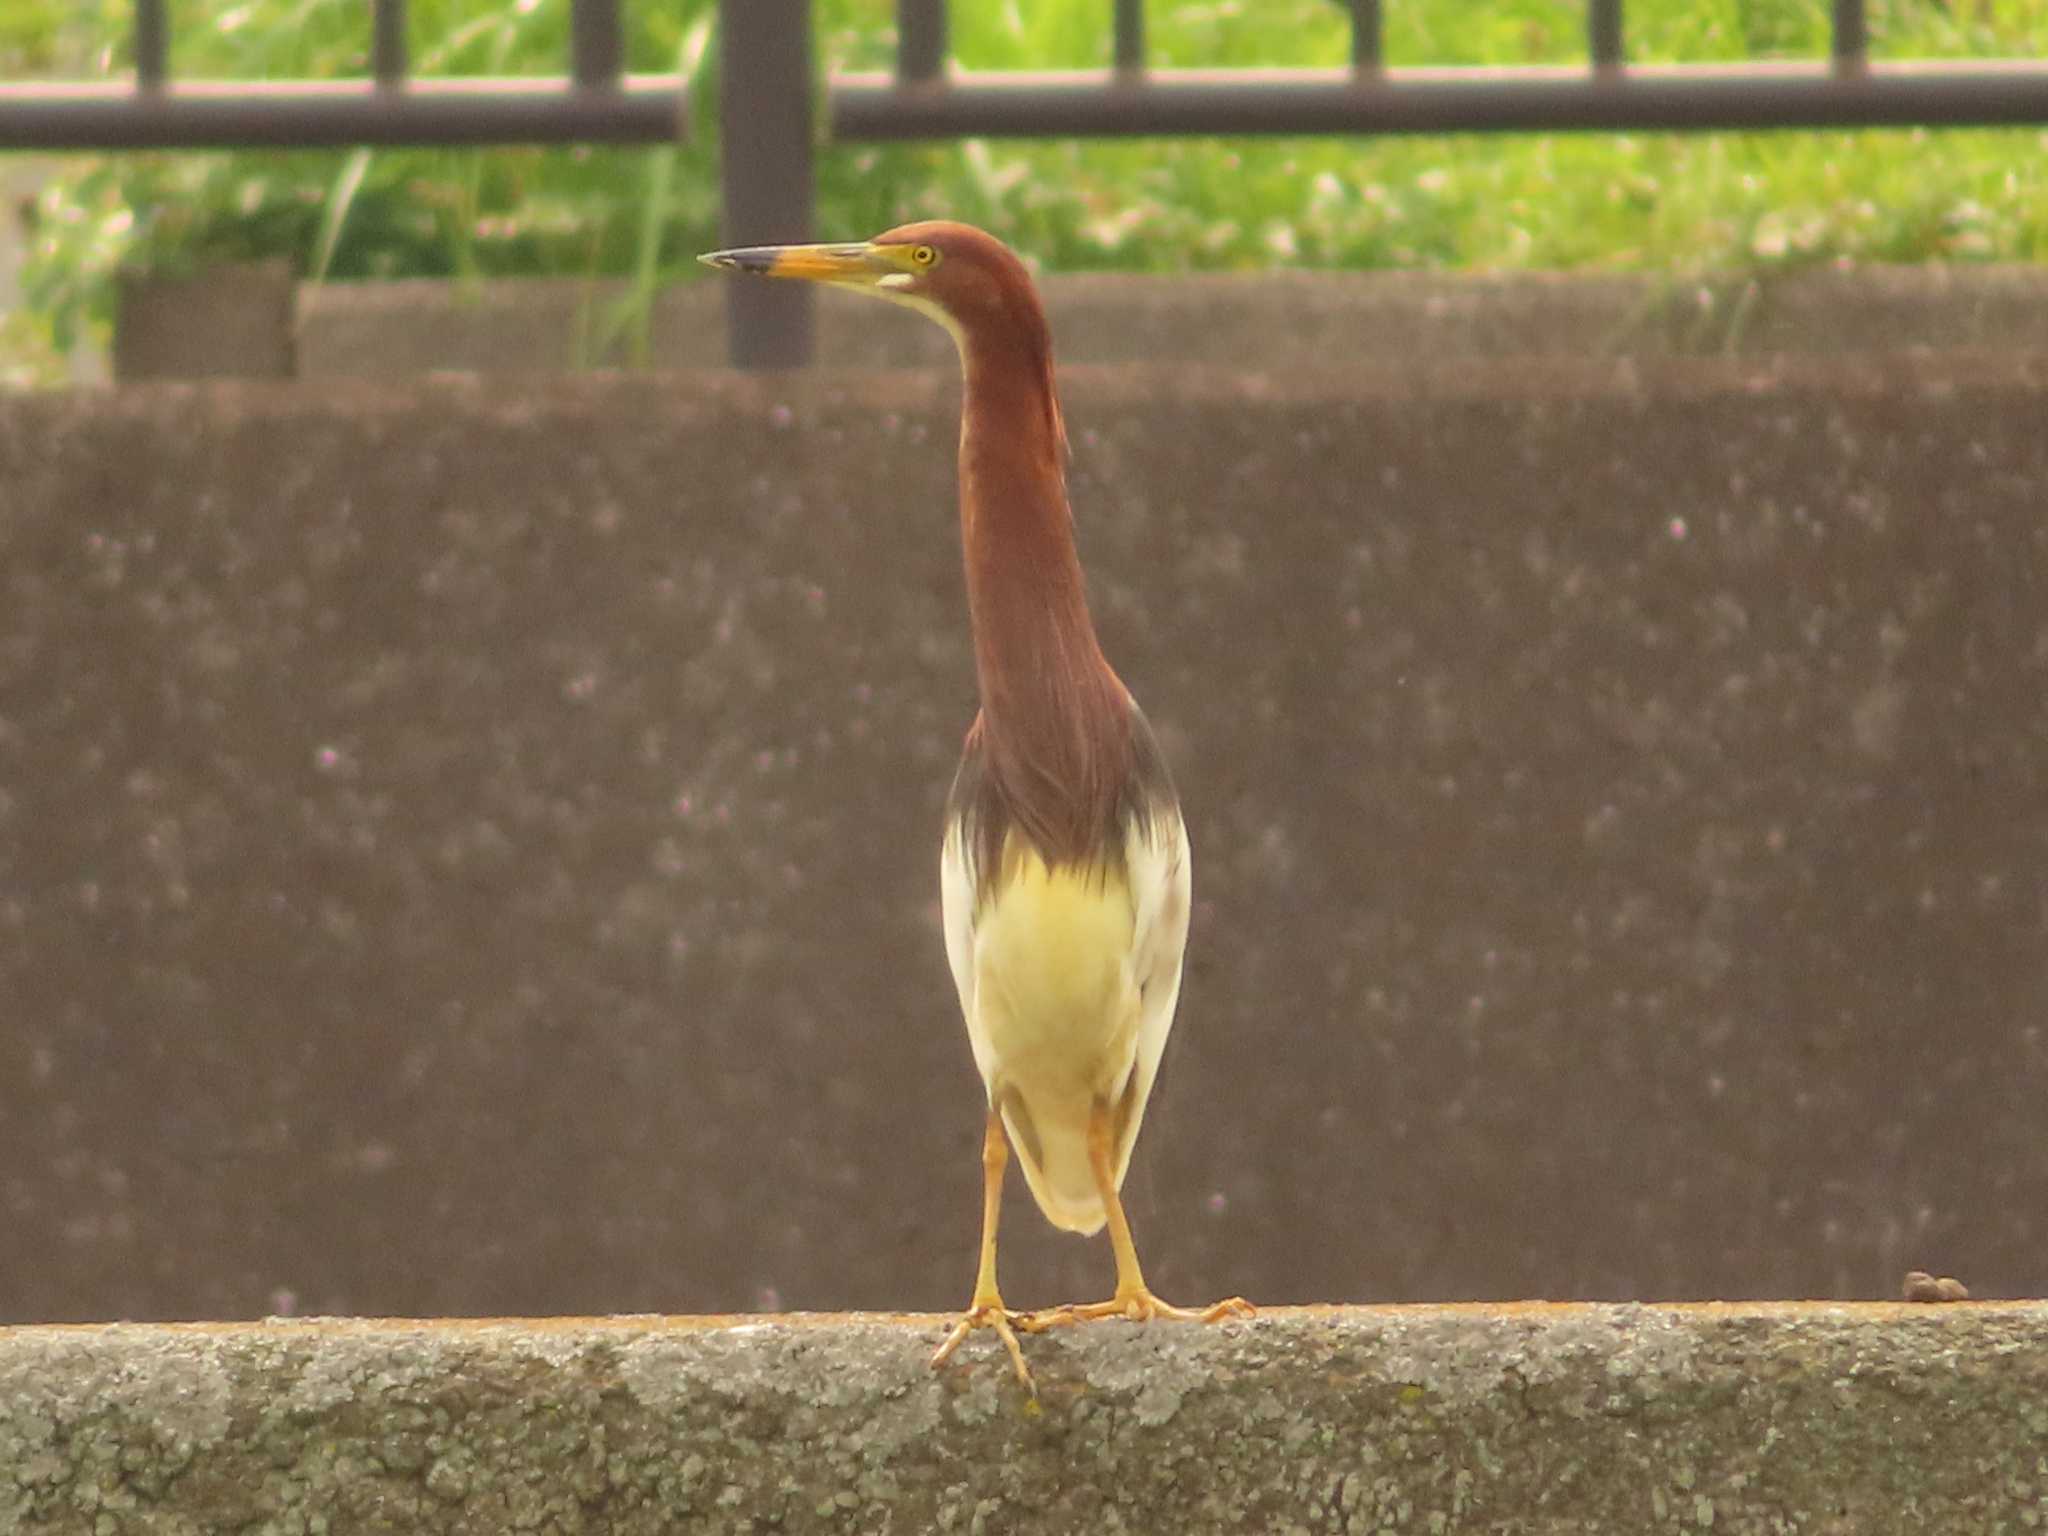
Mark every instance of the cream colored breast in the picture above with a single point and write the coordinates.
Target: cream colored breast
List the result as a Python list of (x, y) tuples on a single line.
[(1055, 1003)]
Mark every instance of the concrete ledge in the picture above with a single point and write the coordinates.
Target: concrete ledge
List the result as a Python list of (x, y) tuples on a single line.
[(1533, 1418)]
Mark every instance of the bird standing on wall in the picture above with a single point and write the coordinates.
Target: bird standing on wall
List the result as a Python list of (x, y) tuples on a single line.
[(1064, 866)]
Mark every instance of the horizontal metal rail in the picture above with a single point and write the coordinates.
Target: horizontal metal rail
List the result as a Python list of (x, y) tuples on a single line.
[(317, 114), (595, 103), (1116, 104)]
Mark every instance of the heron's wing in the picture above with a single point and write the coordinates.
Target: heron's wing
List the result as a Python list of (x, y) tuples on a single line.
[(1159, 867), (957, 896)]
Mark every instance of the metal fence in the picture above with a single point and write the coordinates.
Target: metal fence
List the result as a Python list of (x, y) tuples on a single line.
[(769, 79)]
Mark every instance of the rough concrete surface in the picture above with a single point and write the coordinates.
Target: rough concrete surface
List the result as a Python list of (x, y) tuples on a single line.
[(472, 850), (1534, 1420), (232, 322)]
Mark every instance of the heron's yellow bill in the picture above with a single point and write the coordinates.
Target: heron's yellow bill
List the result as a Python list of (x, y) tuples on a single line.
[(860, 265)]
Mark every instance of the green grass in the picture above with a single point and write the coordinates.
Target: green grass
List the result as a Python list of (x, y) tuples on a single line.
[(1679, 205)]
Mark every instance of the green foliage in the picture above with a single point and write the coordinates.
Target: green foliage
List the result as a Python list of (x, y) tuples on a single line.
[(1678, 204)]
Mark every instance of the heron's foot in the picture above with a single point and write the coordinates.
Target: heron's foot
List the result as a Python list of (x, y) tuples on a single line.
[(1136, 1304), (989, 1312)]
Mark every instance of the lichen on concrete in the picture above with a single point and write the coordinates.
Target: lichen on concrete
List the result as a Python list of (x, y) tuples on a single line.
[(1742, 1419)]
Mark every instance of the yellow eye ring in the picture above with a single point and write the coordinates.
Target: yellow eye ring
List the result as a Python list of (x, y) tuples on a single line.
[(923, 255)]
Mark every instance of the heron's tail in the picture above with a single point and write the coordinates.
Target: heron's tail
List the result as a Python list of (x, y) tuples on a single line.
[(1052, 1147)]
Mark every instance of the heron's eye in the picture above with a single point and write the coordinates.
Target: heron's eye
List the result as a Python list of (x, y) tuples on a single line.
[(924, 255)]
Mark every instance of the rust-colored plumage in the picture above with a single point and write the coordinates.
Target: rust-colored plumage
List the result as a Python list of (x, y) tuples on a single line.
[(1065, 864), (1055, 721)]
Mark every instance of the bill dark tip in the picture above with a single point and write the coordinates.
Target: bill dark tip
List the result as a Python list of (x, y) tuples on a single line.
[(757, 260)]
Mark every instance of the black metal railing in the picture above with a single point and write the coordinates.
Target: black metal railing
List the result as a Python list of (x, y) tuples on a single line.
[(1845, 90), (768, 76), (596, 102)]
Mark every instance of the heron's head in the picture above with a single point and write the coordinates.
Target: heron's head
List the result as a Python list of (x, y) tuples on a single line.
[(969, 281)]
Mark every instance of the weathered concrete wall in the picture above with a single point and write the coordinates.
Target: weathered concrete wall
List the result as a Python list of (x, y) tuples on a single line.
[(229, 322), (1748, 1421), (469, 852), (1276, 320), (233, 322)]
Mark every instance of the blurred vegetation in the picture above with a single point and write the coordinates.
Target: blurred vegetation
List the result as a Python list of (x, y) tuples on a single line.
[(1668, 203)]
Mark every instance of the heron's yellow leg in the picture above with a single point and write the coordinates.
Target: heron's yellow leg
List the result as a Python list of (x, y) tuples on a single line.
[(986, 1310), (1133, 1298)]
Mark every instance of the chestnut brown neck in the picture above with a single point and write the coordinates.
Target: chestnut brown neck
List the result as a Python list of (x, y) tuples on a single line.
[(1055, 720)]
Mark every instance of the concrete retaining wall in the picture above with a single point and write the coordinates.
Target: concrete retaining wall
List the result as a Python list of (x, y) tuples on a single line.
[(471, 850), (1742, 1421)]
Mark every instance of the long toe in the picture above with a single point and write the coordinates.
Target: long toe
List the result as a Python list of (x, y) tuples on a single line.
[(999, 1318), (1137, 1306)]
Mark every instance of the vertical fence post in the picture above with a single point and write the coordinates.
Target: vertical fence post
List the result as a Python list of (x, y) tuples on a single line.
[(596, 45), (764, 108), (920, 41), (152, 45), (388, 62), (1851, 38), (1130, 36), (1603, 36), (1367, 37)]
